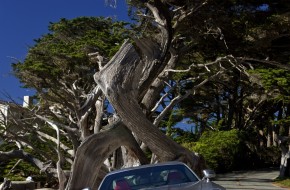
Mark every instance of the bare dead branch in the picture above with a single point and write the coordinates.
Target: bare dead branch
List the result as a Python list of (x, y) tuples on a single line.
[(248, 60), (206, 65)]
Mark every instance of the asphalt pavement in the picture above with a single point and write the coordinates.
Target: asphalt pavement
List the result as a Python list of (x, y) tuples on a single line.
[(249, 180)]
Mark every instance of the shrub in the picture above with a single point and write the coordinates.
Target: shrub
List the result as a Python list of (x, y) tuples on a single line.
[(219, 148)]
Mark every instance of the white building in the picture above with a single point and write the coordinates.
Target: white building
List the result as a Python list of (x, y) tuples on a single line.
[(3, 111), (3, 116), (6, 108)]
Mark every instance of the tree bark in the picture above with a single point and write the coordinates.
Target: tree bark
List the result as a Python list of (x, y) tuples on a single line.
[(119, 80), (284, 164), (95, 149), (5, 185), (285, 155)]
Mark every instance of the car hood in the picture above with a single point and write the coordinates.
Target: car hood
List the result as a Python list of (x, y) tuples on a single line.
[(201, 185)]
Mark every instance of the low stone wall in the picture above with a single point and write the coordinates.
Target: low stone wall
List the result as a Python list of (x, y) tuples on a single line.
[(22, 185)]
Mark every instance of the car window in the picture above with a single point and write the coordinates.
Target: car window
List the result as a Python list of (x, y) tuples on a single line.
[(149, 177)]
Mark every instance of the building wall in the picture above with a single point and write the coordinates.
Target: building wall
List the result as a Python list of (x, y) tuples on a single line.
[(12, 108), (3, 116), (3, 112)]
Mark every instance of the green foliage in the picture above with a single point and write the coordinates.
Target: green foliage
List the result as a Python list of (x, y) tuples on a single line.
[(173, 119), (7, 146), (19, 171), (42, 150), (5, 168), (62, 54), (282, 182), (276, 80), (219, 148), (185, 137)]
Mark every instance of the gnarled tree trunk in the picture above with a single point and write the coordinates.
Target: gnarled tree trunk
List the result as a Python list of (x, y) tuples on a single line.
[(120, 80), (125, 81), (93, 152)]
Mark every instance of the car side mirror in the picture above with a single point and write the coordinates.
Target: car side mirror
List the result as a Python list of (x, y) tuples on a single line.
[(208, 174)]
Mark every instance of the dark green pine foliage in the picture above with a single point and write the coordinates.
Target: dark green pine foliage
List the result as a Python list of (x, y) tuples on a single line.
[(62, 54)]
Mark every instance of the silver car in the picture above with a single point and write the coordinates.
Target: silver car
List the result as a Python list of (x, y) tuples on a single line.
[(169, 175)]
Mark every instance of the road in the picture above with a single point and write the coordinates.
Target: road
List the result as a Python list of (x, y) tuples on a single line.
[(250, 180)]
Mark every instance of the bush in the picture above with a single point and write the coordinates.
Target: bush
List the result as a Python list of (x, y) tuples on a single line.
[(219, 148)]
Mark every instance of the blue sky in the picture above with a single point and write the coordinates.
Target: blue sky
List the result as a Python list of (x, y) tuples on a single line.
[(21, 21)]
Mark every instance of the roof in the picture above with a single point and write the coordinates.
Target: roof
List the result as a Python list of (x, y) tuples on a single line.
[(3, 102)]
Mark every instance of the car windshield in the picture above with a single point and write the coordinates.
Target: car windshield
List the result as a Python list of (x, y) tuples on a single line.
[(148, 177)]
